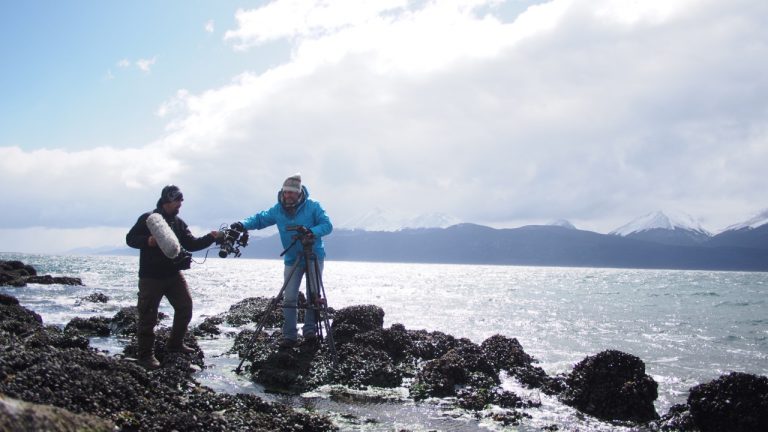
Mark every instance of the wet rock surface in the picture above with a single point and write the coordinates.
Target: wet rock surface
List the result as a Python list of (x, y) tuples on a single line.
[(56, 367), (612, 385), (49, 366), (735, 402), (17, 415), (18, 274)]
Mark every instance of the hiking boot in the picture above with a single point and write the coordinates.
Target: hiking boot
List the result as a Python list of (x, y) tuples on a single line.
[(287, 343), (149, 362), (310, 339), (181, 348), (310, 342)]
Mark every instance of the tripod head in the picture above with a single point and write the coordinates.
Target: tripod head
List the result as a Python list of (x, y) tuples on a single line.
[(303, 234)]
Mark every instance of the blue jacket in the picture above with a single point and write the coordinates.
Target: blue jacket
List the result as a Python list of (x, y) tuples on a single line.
[(307, 212)]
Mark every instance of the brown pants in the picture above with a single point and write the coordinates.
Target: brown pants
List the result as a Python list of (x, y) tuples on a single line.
[(151, 292)]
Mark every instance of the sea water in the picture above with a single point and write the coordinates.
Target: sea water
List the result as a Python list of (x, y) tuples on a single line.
[(689, 327)]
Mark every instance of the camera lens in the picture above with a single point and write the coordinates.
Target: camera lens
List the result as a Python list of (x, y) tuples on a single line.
[(222, 253)]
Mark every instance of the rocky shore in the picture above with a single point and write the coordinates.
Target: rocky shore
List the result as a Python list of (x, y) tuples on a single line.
[(52, 379)]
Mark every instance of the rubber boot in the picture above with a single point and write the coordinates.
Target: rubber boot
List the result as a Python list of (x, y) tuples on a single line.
[(176, 342), (147, 352)]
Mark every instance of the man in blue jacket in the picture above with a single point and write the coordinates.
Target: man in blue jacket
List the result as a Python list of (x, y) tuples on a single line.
[(294, 208)]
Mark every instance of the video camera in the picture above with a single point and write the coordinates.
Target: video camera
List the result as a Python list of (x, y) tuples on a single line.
[(232, 239)]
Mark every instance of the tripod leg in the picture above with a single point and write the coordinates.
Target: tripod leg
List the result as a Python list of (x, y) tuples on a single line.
[(327, 322), (264, 318), (322, 309), (311, 315)]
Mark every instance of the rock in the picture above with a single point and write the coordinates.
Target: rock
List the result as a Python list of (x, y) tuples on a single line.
[(23, 416), (96, 298), (735, 402), (209, 327), (48, 366), (15, 318), (350, 321), (50, 280), (612, 385), (93, 326), (440, 377), (124, 322), (251, 310), (18, 274)]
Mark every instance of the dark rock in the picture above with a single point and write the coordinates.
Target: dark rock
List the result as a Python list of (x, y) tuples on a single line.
[(16, 273), (431, 345), (439, 377), (17, 415), (612, 385), (362, 318), (17, 319), (45, 365), (209, 327), (362, 366), (93, 326), (735, 402), (96, 298), (678, 418), (124, 322), (251, 310), (50, 280)]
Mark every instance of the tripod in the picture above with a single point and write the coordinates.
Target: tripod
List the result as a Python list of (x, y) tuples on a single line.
[(317, 300)]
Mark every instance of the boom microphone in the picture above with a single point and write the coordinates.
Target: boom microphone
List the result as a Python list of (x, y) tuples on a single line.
[(164, 235)]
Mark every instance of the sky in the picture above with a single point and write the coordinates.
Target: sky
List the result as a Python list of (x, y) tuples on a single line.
[(502, 113)]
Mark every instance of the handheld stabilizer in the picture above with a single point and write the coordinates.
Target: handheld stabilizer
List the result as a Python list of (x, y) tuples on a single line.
[(232, 239), (167, 241)]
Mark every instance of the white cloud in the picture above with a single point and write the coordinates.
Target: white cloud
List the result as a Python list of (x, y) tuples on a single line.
[(592, 110), (124, 63), (209, 27), (146, 64)]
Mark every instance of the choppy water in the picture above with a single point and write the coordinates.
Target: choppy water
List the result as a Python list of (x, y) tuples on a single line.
[(688, 327)]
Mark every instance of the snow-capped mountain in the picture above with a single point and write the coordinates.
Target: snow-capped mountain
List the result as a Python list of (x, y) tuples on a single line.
[(752, 233), (385, 220), (758, 220), (676, 228), (562, 223)]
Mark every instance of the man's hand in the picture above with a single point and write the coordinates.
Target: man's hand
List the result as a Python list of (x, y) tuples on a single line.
[(151, 242), (238, 226), (217, 234)]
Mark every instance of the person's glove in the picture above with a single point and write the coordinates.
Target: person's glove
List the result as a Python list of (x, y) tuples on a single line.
[(238, 226)]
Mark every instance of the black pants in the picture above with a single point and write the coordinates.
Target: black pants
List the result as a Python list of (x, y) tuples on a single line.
[(151, 292)]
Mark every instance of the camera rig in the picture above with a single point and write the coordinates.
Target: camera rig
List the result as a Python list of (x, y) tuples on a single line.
[(231, 240)]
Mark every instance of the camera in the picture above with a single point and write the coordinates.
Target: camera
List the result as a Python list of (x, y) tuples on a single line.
[(231, 240)]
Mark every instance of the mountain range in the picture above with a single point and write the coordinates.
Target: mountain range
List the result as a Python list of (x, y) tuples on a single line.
[(655, 241)]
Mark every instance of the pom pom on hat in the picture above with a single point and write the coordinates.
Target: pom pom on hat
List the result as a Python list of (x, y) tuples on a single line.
[(292, 183)]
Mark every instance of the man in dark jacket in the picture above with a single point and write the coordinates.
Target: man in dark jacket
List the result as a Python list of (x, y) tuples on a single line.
[(161, 276)]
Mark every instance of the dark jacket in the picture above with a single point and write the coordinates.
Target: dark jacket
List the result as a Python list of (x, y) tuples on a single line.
[(152, 262)]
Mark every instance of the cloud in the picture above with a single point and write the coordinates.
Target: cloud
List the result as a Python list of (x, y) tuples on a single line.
[(209, 27), (146, 64), (596, 111)]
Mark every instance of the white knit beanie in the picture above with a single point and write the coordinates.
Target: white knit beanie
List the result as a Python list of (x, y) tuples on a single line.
[(292, 183)]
